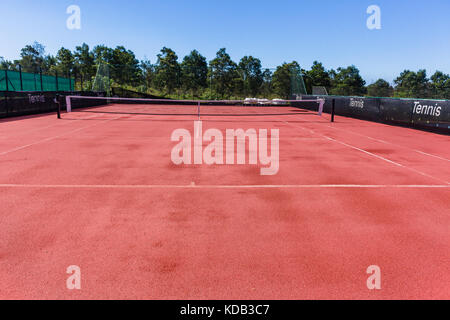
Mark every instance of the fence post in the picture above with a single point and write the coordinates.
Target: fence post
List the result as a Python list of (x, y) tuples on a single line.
[(6, 80), (70, 82), (6, 93), (42, 84), (56, 78), (21, 81)]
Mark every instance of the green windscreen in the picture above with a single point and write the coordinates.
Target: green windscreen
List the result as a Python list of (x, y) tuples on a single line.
[(17, 81), (31, 82), (48, 83)]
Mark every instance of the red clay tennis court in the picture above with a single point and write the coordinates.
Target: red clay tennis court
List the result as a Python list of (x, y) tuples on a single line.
[(97, 189)]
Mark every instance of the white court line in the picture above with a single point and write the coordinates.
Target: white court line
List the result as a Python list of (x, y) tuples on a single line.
[(371, 154), (430, 155), (196, 186), (392, 144), (53, 138)]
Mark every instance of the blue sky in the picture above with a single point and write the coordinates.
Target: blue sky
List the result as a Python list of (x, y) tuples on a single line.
[(415, 33)]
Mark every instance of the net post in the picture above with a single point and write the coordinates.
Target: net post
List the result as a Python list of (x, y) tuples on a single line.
[(198, 110), (333, 108), (321, 105), (58, 106), (68, 104)]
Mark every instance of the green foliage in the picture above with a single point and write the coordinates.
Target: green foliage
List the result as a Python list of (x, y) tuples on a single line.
[(65, 61), (252, 76), (222, 78), (285, 79), (317, 76), (412, 84), (266, 87), (102, 54), (348, 82), (381, 88), (167, 71), (125, 67), (224, 74), (84, 63), (7, 65), (440, 85), (194, 73), (148, 74), (32, 57), (49, 65)]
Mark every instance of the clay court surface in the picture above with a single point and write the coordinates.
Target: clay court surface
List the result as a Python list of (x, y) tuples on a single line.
[(99, 190)]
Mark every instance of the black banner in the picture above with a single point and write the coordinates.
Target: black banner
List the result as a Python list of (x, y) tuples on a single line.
[(13, 104), (413, 112)]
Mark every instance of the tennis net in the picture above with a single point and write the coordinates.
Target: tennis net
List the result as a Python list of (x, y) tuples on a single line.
[(195, 108)]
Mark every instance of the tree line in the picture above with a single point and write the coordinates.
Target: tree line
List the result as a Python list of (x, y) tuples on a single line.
[(194, 76)]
